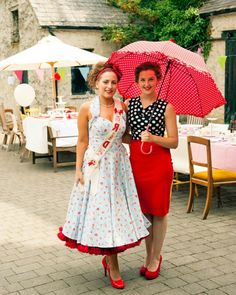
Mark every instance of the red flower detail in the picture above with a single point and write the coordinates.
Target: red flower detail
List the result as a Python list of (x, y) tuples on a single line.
[(91, 163), (118, 111)]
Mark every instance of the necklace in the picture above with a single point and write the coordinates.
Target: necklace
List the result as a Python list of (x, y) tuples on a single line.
[(107, 105)]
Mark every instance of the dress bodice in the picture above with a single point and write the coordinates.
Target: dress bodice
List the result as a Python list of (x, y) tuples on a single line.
[(100, 127), (139, 117)]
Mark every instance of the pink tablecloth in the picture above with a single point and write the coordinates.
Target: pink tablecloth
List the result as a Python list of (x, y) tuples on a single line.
[(223, 155)]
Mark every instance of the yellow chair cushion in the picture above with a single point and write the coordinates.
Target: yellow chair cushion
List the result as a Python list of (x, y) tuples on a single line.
[(217, 174)]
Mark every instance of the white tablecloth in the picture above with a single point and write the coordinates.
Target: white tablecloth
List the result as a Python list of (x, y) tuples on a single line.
[(35, 129)]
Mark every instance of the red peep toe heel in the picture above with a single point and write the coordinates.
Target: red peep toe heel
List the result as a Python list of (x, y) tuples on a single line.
[(150, 275), (118, 284)]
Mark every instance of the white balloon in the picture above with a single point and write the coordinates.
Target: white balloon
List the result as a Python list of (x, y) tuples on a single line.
[(24, 94)]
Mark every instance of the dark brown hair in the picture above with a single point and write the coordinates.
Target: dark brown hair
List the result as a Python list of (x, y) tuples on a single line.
[(98, 69), (155, 67)]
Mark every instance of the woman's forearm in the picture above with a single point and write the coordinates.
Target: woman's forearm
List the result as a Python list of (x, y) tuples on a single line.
[(80, 151), (167, 142)]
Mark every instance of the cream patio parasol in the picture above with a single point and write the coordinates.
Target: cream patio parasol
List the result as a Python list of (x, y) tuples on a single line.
[(48, 53)]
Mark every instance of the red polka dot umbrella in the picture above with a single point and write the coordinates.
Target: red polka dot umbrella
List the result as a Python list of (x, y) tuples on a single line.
[(187, 84)]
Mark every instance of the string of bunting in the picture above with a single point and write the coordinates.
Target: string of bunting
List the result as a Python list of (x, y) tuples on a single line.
[(59, 75), (61, 72), (220, 59)]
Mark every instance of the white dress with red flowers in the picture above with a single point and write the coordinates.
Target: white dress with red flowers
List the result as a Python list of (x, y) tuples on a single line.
[(107, 220)]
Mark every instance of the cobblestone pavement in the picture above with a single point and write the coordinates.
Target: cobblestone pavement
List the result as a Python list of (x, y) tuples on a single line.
[(199, 257)]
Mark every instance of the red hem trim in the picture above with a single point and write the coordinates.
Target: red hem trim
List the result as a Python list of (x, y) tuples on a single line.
[(94, 250)]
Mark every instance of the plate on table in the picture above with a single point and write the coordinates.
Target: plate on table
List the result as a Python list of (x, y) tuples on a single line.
[(42, 117), (191, 126), (211, 137), (215, 139)]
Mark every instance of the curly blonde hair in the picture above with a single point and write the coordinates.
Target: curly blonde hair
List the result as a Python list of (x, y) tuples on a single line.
[(100, 68)]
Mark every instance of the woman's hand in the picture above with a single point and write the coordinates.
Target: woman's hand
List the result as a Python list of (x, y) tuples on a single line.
[(79, 177), (146, 136)]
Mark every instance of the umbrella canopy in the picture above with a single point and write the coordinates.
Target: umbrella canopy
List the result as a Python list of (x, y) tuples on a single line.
[(186, 82), (50, 52)]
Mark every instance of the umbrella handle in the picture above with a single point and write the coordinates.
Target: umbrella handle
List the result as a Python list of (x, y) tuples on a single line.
[(142, 144), (145, 153)]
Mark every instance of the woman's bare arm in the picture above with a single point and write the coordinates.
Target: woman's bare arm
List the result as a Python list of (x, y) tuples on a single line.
[(83, 139), (171, 138), (127, 136)]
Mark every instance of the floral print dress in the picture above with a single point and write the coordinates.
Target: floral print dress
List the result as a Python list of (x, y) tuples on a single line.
[(106, 220)]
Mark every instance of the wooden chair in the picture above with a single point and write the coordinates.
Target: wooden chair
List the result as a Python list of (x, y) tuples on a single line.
[(24, 152), (211, 178), (17, 132), (54, 149), (7, 125)]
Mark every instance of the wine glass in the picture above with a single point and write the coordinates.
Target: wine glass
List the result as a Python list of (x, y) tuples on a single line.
[(211, 119)]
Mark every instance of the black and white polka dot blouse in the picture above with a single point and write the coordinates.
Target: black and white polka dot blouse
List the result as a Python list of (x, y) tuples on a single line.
[(138, 117)]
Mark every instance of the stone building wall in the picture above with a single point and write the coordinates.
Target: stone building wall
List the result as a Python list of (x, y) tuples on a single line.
[(219, 23), (30, 34)]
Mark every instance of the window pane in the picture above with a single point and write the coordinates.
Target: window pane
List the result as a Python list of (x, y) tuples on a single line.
[(79, 79)]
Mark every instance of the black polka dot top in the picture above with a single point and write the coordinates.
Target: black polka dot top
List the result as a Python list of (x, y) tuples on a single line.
[(138, 117)]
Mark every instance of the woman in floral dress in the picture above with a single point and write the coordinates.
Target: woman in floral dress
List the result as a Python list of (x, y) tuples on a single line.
[(104, 215)]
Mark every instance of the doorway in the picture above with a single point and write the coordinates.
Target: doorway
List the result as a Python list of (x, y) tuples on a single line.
[(230, 75)]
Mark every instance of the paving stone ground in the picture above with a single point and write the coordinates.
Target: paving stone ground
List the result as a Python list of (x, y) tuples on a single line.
[(199, 256)]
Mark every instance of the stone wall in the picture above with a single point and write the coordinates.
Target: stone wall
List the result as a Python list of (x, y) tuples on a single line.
[(30, 34)]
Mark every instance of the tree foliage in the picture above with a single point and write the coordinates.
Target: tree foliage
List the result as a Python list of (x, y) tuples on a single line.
[(158, 20)]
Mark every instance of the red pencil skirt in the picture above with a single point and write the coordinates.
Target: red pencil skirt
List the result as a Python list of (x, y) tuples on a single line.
[(153, 174)]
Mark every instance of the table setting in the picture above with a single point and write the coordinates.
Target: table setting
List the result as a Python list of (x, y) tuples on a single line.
[(223, 143), (62, 121)]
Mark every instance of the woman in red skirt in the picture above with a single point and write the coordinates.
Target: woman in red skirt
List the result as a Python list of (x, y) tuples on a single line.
[(149, 117)]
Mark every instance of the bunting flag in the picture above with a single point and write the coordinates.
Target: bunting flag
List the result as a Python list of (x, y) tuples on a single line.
[(40, 74), (19, 75), (199, 51), (221, 61), (62, 72)]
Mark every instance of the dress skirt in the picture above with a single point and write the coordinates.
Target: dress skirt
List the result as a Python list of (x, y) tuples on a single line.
[(153, 174)]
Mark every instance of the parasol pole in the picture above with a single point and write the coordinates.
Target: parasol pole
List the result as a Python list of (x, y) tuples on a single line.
[(163, 80), (53, 84)]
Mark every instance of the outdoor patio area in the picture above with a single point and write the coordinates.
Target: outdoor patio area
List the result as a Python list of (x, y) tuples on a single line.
[(199, 256)]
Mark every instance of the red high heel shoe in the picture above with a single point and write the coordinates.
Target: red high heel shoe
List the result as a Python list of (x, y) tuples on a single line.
[(150, 275), (142, 270), (118, 284)]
